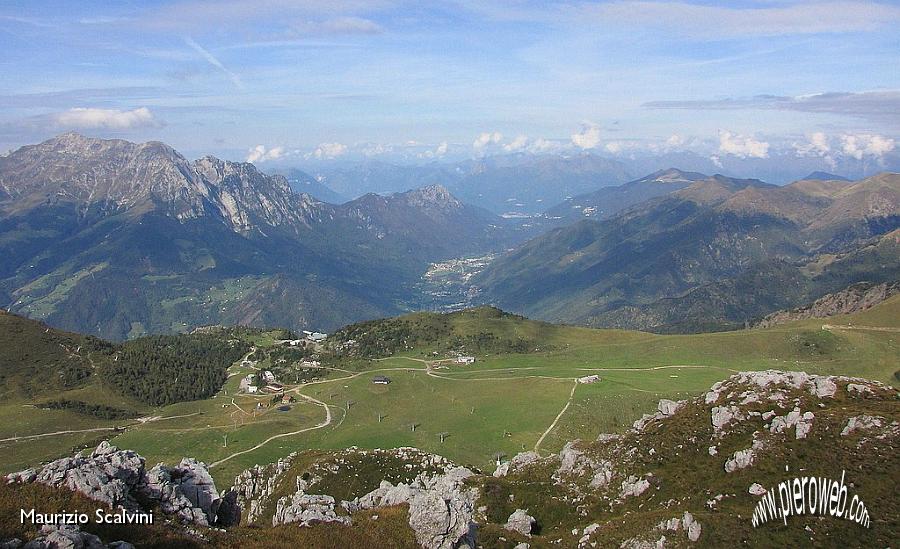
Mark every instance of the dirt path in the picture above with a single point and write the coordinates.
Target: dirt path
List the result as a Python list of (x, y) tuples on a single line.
[(537, 444), (321, 425), (42, 435), (867, 328)]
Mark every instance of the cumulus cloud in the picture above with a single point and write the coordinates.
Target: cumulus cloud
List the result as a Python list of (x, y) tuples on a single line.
[(741, 146), (817, 145), (613, 147), (674, 141), (437, 152), (487, 138), (542, 145), (329, 150), (588, 137), (259, 153), (859, 146), (105, 118), (516, 145)]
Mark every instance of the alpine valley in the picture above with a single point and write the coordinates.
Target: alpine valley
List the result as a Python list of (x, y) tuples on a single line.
[(119, 240)]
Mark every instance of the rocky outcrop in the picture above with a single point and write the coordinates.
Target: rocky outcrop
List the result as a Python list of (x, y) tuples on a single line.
[(852, 299), (441, 507), (118, 478), (520, 522), (64, 537), (306, 509), (519, 461), (254, 487)]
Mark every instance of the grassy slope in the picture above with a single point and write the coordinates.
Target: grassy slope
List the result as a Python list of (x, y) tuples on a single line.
[(515, 396)]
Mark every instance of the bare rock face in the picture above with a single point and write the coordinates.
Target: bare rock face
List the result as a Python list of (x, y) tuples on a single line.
[(691, 526), (576, 463), (253, 487), (520, 521), (107, 475), (855, 298), (633, 486), (118, 478), (306, 509), (441, 507), (668, 407), (740, 460), (64, 537), (519, 461)]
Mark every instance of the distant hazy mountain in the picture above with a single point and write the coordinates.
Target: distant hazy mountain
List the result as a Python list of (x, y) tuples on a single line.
[(825, 176), (512, 183), (302, 182), (609, 201), (712, 255), (119, 239)]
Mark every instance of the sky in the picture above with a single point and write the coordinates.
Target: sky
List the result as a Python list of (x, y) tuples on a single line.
[(279, 81)]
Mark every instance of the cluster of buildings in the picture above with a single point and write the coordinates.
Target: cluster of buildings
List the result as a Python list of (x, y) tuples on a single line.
[(269, 383)]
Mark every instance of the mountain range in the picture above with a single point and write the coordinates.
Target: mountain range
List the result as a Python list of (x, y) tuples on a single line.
[(120, 239), (526, 184), (715, 254)]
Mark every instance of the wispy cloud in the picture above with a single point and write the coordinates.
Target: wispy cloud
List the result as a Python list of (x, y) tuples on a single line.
[(337, 25), (713, 22), (211, 59), (105, 118), (873, 105)]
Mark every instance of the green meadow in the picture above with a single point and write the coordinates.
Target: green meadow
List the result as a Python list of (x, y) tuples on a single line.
[(503, 403)]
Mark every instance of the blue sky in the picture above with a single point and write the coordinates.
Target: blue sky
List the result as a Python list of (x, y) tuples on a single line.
[(278, 81)]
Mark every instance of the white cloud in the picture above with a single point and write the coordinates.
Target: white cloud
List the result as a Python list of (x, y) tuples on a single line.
[(106, 118), (613, 147), (376, 149), (817, 145), (542, 145), (588, 137), (329, 150), (260, 154), (487, 138), (743, 147), (674, 141), (517, 144), (438, 151), (862, 145)]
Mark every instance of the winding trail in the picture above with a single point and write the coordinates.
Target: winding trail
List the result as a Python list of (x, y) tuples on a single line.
[(29, 437), (537, 444), (321, 425)]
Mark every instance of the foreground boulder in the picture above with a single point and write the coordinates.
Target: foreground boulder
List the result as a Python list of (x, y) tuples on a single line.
[(118, 478)]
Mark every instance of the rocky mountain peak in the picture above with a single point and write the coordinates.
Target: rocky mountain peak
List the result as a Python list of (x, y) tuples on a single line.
[(432, 196)]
